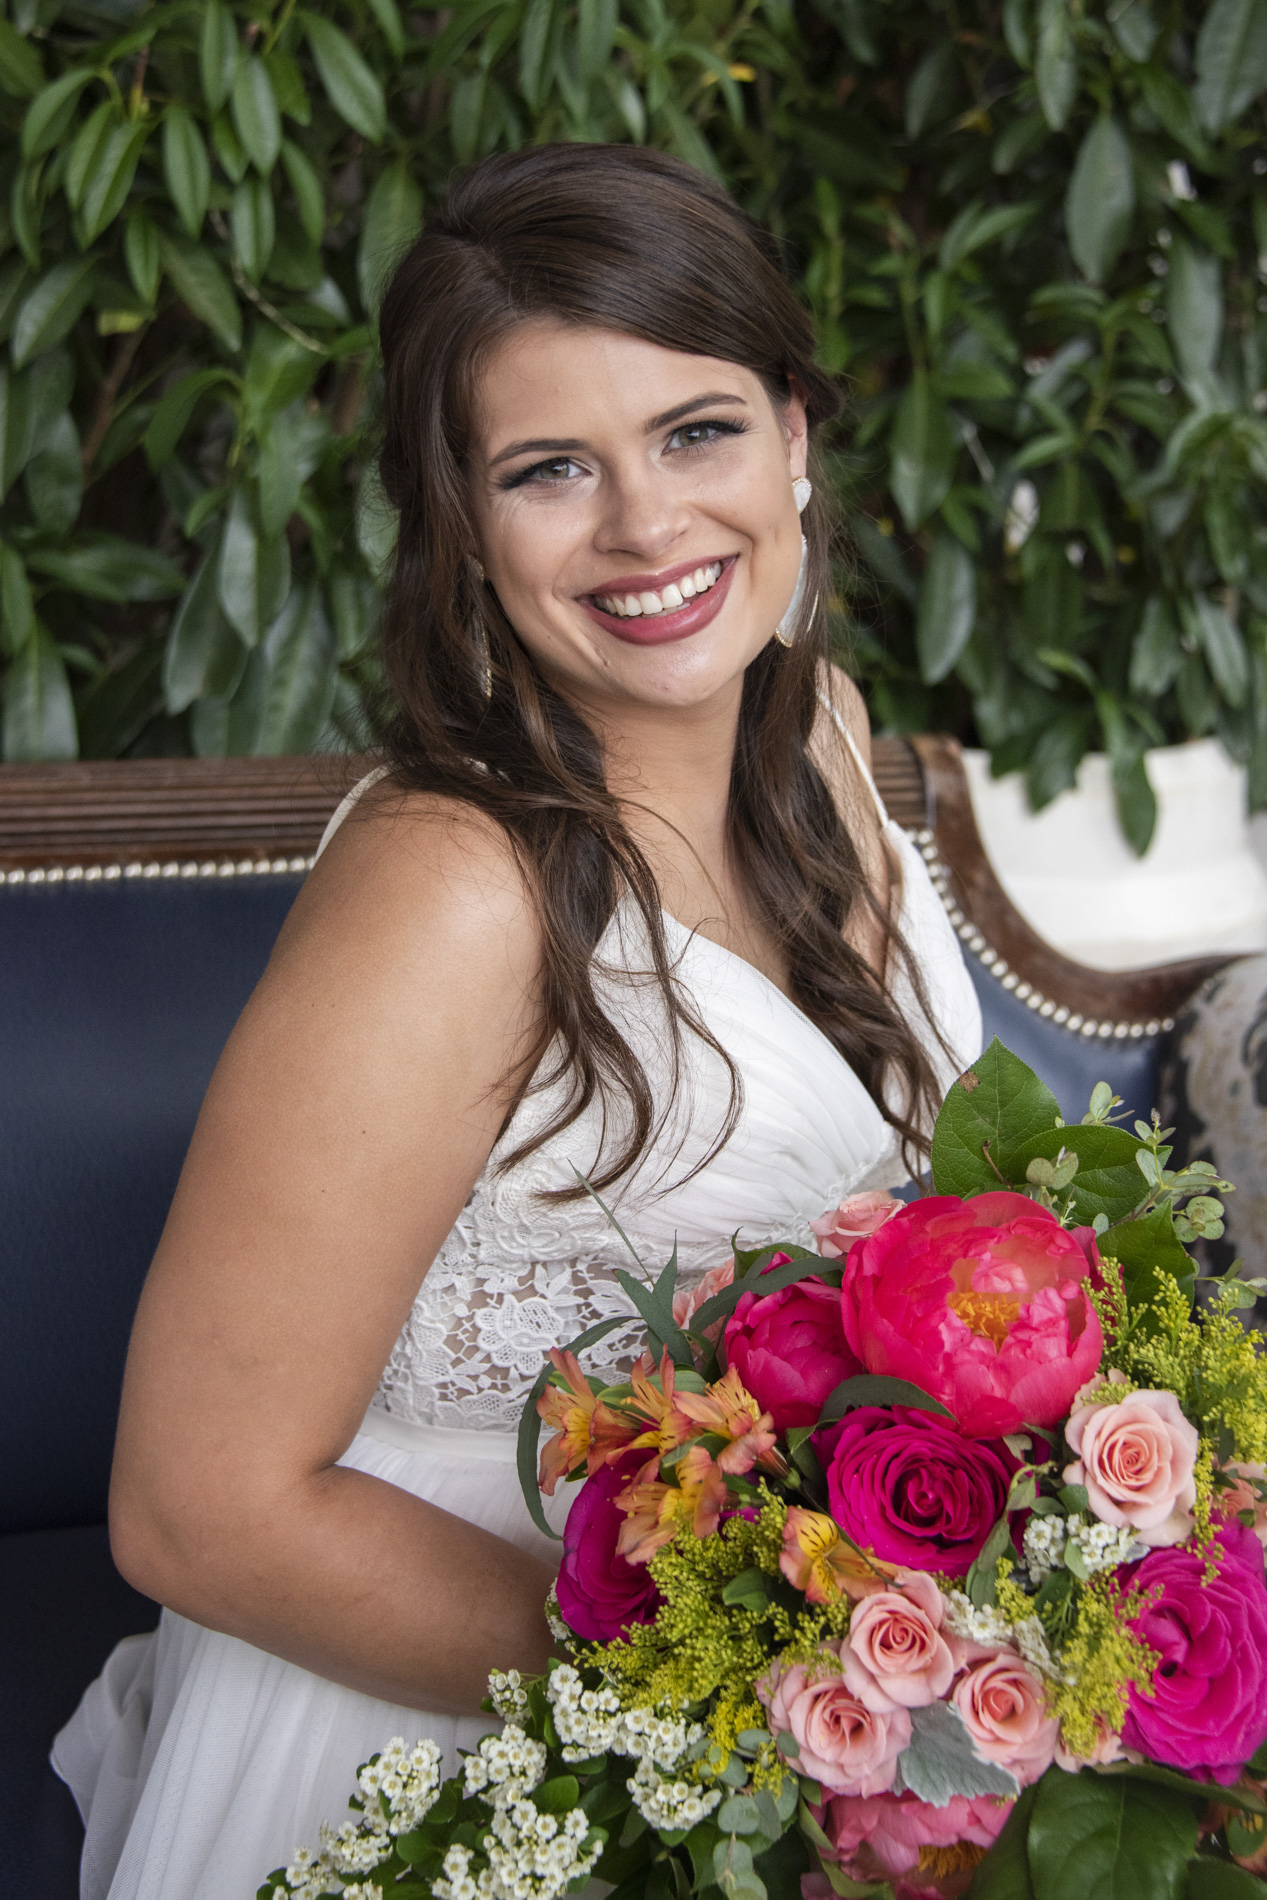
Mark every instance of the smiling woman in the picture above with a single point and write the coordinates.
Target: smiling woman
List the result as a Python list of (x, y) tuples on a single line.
[(621, 903)]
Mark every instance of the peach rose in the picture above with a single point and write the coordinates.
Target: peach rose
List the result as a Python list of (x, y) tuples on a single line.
[(687, 1303), (855, 1218), (843, 1745), (1108, 1747), (896, 1654), (1136, 1458), (1004, 1706), (1248, 1492)]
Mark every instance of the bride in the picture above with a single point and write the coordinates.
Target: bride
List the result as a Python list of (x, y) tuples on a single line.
[(623, 901)]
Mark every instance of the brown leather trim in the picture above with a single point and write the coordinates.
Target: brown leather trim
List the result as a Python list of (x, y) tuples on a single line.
[(1126, 996)]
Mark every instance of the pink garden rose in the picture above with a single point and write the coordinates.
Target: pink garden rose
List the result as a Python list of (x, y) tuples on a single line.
[(855, 1218), (843, 1745), (980, 1303), (1004, 1707), (600, 1593), (1207, 1712), (897, 1654), (1246, 1497), (880, 1837), (912, 1488), (1136, 1457), (686, 1304), (789, 1349)]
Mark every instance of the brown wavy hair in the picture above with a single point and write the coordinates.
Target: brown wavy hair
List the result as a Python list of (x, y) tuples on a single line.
[(618, 238)]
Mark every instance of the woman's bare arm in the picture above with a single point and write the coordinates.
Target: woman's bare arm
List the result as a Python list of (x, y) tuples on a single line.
[(351, 1112)]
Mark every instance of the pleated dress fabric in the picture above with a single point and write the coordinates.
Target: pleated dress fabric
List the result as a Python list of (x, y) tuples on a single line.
[(198, 1762)]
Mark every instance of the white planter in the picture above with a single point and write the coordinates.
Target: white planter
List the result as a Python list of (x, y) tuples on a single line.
[(1198, 890)]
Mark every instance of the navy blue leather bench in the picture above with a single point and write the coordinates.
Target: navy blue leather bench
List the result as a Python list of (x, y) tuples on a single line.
[(119, 983)]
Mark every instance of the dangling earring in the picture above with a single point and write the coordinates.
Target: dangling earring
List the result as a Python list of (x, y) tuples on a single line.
[(485, 662), (786, 631), (802, 489)]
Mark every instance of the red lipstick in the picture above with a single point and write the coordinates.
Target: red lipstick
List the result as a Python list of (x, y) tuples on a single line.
[(649, 630)]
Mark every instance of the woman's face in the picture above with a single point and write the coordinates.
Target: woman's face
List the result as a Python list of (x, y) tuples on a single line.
[(635, 512)]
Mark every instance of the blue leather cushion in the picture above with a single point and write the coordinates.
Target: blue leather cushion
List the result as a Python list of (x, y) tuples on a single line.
[(115, 1001), (1070, 1065), (63, 1607)]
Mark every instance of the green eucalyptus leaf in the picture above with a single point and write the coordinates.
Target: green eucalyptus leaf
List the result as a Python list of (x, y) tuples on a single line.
[(39, 712)]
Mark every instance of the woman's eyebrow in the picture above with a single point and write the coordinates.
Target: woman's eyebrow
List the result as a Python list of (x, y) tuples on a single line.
[(558, 445)]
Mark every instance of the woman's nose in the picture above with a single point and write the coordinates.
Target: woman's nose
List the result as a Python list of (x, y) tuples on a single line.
[(641, 515)]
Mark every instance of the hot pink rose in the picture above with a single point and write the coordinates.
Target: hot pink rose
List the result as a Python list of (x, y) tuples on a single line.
[(854, 1219), (881, 1836), (897, 1654), (1004, 1707), (1206, 1712), (845, 1746), (789, 1349), (1136, 1458), (600, 1592), (981, 1304), (1246, 1497)]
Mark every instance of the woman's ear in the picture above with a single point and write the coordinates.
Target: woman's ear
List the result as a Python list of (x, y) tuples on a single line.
[(795, 429)]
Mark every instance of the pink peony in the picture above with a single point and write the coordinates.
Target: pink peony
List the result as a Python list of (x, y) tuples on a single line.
[(1206, 1712), (855, 1218), (600, 1592), (1246, 1494), (845, 1746), (981, 1304), (789, 1349), (897, 1654), (1136, 1457), (880, 1837), (1004, 1707), (910, 1486)]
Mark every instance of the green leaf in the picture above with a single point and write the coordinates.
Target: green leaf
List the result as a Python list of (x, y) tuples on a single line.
[(255, 114), (940, 1761), (201, 284), (1194, 307), (254, 574), (17, 609), (288, 87), (186, 168), (278, 370), (875, 1388), (947, 607), (106, 567), (141, 251), (307, 189), (559, 1795), (85, 150), (21, 69), (1100, 201), (254, 230), (1056, 62), (922, 452), (1118, 1840), (1004, 1873), (351, 87), (290, 448), (927, 90), (595, 36), (54, 476), (1221, 642), (39, 713), (171, 418), (533, 39), (1134, 29), (998, 1104), (234, 159), (50, 112), (393, 219), (17, 435), (1218, 1880), (218, 52), (112, 177), (1108, 1180), (1155, 653), (203, 657), (51, 308), (1231, 61), (387, 14)]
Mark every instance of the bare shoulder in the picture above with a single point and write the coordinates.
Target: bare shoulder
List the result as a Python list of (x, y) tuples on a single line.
[(827, 748)]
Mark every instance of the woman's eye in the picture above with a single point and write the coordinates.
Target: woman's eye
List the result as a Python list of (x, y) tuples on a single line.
[(697, 435), (559, 468)]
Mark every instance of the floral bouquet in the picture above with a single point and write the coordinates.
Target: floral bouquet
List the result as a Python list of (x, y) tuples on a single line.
[(928, 1563)]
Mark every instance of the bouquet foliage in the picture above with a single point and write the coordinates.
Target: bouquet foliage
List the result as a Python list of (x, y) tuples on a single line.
[(928, 1563)]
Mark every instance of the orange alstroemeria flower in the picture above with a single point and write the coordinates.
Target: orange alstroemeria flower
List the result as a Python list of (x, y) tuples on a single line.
[(656, 1511), (661, 1409), (729, 1409), (817, 1560), (587, 1431)]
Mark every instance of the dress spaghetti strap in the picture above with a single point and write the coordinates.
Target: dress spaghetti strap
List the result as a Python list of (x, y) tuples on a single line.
[(858, 759), (345, 805)]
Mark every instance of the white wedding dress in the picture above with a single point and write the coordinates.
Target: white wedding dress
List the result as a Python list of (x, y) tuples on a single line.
[(198, 1762)]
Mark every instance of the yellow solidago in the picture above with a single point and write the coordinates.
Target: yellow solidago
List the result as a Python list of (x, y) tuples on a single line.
[(1101, 1660), (1215, 1367)]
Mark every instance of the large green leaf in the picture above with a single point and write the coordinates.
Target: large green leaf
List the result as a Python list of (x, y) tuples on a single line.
[(186, 167), (351, 87), (1056, 61), (995, 1106), (301, 659), (105, 567), (255, 114), (21, 69), (1218, 637), (86, 147), (218, 52), (254, 228), (49, 310), (171, 418), (202, 285), (921, 452), (17, 609), (51, 111), (393, 219), (253, 571), (1194, 306), (55, 477), (278, 370), (290, 448), (203, 657), (1218, 1880), (1116, 1840), (1141, 1245), (1108, 1180), (113, 171), (1004, 1873), (1100, 201), (39, 713), (1231, 60), (947, 607)]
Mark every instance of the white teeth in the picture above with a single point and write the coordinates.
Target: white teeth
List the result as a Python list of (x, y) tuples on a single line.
[(668, 600)]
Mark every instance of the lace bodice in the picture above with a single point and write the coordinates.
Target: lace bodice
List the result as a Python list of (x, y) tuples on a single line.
[(519, 1274)]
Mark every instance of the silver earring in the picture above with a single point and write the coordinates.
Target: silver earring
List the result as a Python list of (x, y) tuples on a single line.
[(786, 631), (479, 570), (802, 488)]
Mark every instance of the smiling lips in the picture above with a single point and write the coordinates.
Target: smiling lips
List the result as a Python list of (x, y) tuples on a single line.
[(680, 603)]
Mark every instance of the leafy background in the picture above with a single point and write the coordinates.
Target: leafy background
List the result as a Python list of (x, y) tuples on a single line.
[(1034, 235)]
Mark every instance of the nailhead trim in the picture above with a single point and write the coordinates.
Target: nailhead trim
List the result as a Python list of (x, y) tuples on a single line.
[(972, 939), (173, 867)]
